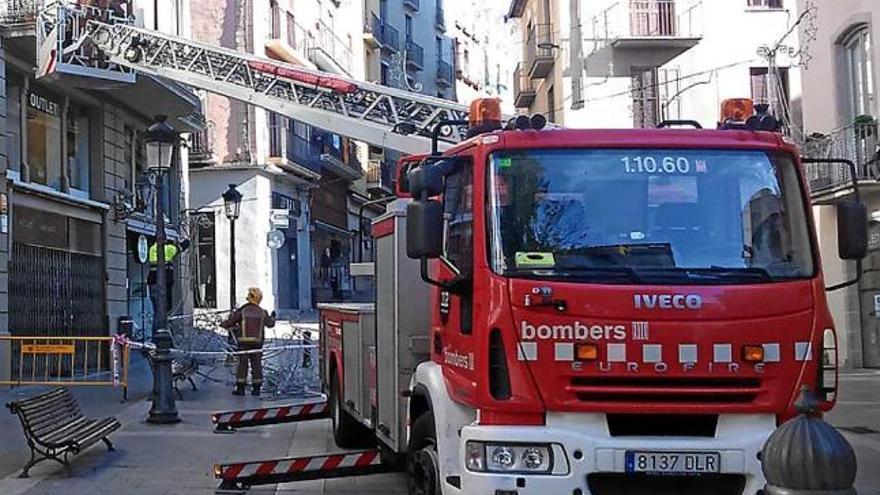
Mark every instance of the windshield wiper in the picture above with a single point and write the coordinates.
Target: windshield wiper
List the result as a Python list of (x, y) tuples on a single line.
[(732, 274), (580, 272)]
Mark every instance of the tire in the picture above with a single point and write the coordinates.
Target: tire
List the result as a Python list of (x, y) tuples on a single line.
[(347, 432), (422, 461)]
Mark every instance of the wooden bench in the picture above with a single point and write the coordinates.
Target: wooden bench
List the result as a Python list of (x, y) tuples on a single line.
[(54, 427)]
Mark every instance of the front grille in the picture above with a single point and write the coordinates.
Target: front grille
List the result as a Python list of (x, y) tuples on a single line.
[(662, 425), (625, 484), (666, 390)]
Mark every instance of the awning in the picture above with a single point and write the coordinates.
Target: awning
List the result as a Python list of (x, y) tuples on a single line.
[(152, 95)]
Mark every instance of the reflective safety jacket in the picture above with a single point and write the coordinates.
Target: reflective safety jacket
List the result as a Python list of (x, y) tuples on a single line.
[(248, 323), (170, 252)]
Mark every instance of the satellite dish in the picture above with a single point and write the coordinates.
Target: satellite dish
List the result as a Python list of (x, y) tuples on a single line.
[(275, 239)]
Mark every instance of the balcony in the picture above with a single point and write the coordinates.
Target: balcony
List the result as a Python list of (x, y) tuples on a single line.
[(440, 18), (413, 5), (445, 74), (379, 177), (18, 15), (858, 143), (540, 55), (523, 90), (329, 52), (415, 55), (641, 33), (324, 152), (390, 38), (373, 31), (292, 46), (201, 150)]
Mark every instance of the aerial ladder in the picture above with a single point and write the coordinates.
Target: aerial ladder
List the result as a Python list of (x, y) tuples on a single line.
[(86, 37)]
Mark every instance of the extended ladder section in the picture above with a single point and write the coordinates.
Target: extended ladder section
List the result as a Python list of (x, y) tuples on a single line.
[(379, 115)]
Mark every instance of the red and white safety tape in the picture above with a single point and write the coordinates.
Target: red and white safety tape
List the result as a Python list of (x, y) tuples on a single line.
[(296, 465), (287, 413)]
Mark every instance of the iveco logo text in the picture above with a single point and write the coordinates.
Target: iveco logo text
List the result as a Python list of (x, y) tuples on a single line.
[(668, 301)]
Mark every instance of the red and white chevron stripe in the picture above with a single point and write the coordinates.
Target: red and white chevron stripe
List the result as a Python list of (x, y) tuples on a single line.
[(232, 472), (277, 414)]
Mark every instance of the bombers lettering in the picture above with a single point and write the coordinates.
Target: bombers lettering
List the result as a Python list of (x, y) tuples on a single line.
[(457, 359), (667, 301), (576, 331)]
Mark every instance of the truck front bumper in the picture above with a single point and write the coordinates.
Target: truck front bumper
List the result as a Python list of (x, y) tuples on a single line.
[(584, 446)]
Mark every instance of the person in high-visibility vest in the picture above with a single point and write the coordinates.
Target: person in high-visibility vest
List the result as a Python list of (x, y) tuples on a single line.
[(248, 324), (172, 250)]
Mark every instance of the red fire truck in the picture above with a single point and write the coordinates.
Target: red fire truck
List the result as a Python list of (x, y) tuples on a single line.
[(557, 311), (582, 311)]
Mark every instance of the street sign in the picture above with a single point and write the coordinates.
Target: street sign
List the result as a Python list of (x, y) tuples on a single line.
[(143, 248), (275, 239), (280, 218)]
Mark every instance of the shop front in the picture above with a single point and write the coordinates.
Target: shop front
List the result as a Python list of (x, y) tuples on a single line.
[(56, 270)]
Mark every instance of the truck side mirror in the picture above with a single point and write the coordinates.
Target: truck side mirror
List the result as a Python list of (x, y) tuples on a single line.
[(424, 229), (852, 230)]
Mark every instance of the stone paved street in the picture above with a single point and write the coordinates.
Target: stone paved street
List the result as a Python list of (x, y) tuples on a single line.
[(177, 459)]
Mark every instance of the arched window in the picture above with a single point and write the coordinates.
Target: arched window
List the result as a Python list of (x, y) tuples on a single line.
[(860, 85)]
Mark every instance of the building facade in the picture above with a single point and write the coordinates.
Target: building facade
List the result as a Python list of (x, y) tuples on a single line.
[(482, 50), (277, 162), (841, 111), (645, 61), (75, 199)]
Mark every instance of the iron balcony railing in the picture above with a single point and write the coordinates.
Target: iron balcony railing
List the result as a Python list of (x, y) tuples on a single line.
[(444, 72), (646, 19), (379, 175), (308, 153), (523, 88), (858, 143), (373, 25), (539, 44), (334, 46), (200, 148), (390, 38), (297, 36), (18, 11), (415, 54), (652, 18), (303, 152)]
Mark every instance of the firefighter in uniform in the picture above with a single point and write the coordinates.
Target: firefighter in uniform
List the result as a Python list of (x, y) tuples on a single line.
[(248, 324)]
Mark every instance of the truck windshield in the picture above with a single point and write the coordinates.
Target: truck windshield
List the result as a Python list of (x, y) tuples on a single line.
[(648, 216)]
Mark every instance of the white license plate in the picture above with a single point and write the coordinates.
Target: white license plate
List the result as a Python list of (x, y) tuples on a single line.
[(673, 462)]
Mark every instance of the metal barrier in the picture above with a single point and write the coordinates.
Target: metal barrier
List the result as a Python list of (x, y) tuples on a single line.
[(66, 361)]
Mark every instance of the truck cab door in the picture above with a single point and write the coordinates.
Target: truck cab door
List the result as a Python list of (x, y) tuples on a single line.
[(452, 341)]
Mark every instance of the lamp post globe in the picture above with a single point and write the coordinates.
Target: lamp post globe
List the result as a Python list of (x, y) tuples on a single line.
[(161, 141), (232, 202), (232, 208)]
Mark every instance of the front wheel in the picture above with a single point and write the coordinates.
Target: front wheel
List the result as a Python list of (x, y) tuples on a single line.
[(422, 460)]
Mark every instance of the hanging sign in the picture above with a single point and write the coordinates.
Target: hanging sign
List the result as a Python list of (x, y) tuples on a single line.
[(143, 249), (275, 239)]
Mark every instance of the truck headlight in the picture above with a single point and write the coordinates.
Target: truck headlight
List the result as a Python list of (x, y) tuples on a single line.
[(508, 458), (502, 459)]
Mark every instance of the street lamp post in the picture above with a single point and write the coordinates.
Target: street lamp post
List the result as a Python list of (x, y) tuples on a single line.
[(161, 140), (232, 207)]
